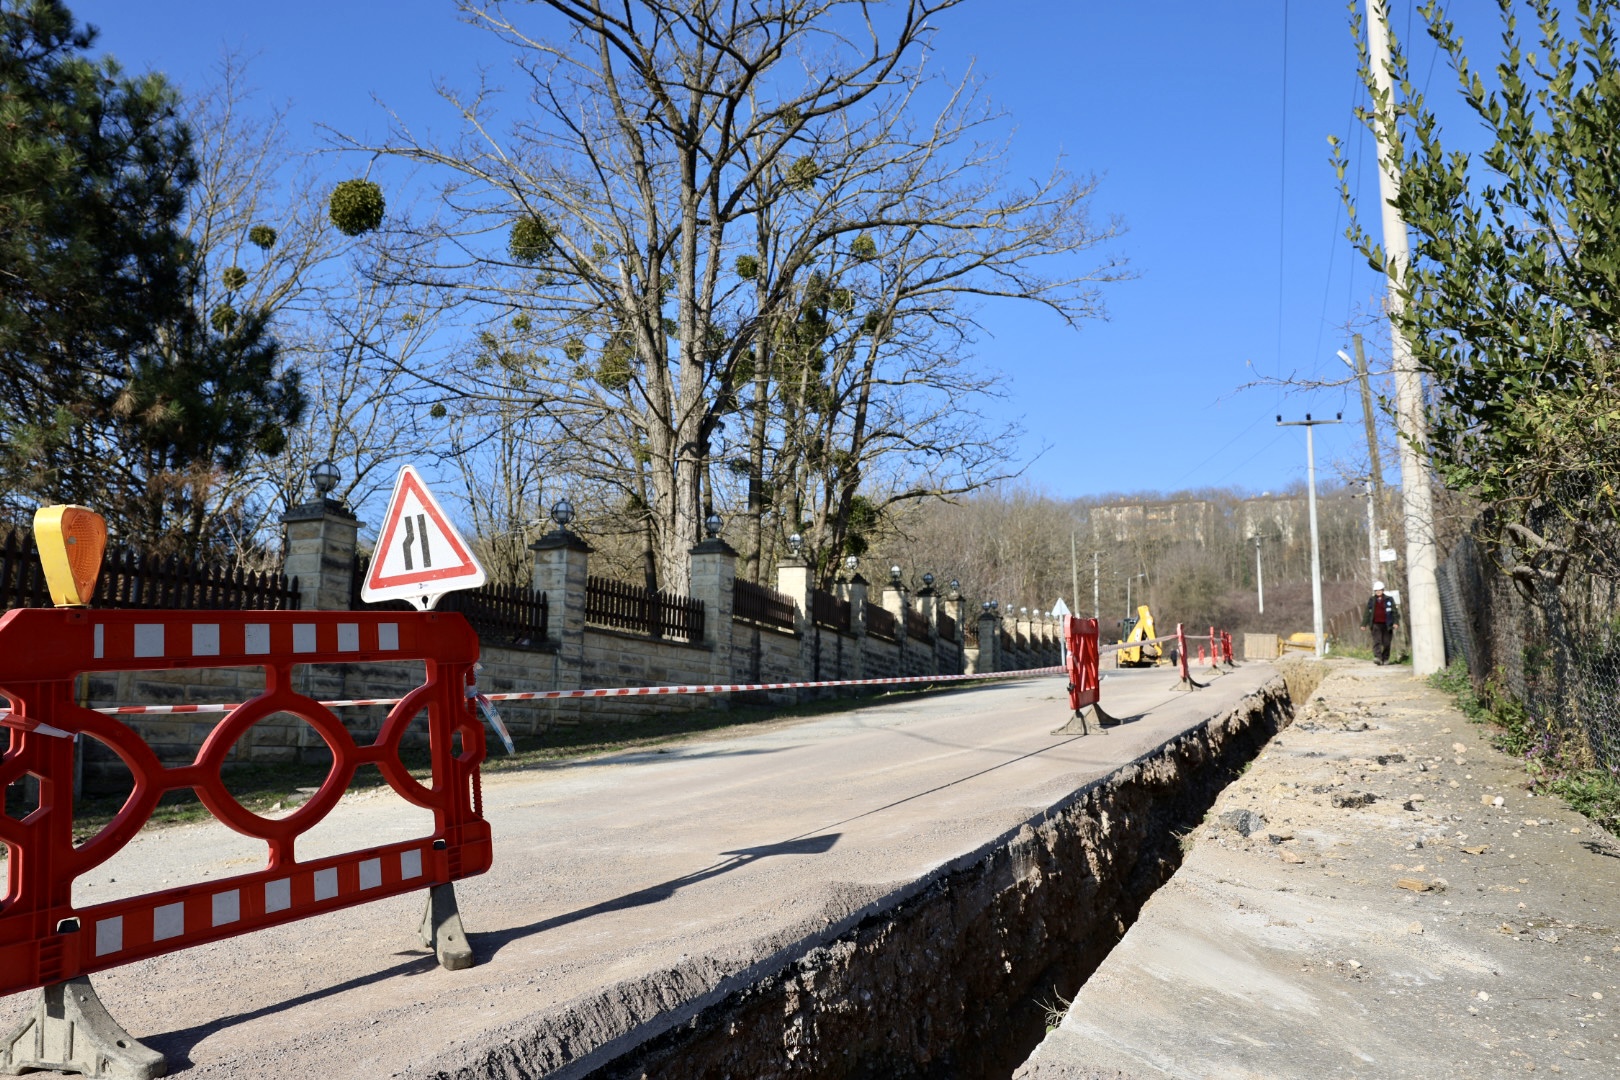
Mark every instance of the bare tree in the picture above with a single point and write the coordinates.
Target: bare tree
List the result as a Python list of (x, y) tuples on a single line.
[(661, 215)]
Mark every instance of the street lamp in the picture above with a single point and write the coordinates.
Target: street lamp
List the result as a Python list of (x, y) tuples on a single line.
[(325, 477), (712, 525), (1129, 611), (1316, 551), (795, 543), (562, 512)]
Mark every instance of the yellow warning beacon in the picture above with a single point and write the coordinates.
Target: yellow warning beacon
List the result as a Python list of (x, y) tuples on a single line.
[(71, 542)]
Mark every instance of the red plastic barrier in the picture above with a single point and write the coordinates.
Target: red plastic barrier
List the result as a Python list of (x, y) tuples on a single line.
[(45, 939), (1226, 648), (1080, 661)]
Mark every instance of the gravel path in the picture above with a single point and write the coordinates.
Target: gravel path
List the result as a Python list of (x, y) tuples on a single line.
[(1377, 897)]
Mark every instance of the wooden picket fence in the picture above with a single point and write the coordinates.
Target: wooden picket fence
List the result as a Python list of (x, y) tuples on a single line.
[(131, 580)]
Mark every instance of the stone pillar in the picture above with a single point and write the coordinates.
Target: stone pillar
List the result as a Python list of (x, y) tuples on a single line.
[(793, 579), (855, 590), (956, 607), (927, 602), (319, 541), (714, 581), (320, 544), (989, 643), (561, 564), (894, 602)]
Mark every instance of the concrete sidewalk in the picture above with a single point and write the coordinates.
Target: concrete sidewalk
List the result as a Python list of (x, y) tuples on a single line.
[(1378, 896)]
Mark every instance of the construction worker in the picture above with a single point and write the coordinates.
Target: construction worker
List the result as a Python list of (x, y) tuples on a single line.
[(1380, 618)]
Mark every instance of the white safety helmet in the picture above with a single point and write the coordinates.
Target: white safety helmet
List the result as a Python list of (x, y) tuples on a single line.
[(1378, 586)]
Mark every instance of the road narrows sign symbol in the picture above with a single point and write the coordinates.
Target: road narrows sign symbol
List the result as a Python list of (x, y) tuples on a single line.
[(420, 556)]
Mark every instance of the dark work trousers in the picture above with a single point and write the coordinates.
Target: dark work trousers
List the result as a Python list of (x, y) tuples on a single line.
[(1381, 634)]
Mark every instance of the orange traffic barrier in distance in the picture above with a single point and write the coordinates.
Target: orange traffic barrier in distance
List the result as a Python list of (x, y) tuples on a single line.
[(46, 939)]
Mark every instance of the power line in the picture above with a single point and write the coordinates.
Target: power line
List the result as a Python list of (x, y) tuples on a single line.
[(1217, 453)]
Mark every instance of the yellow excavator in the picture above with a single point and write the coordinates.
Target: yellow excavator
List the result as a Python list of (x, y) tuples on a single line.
[(1140, 629)]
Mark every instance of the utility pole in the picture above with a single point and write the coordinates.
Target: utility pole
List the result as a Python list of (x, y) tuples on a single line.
[(1375, 465), (1375, 478), (1074, 572), (1096, 603), (1259, 578), (1417, 499), (1372, 537), (1316, 547)]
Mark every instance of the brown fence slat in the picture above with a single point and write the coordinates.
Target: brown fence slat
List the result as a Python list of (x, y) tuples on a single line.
[(880, 622), (756, 603), (620, 605), (131, 580), (829, 611)]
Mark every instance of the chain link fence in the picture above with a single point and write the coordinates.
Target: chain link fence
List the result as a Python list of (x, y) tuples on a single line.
[(1552, 647)]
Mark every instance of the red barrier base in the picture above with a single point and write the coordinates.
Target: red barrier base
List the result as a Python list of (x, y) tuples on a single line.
[(1079, 723), (441, 929), (71, 1031)]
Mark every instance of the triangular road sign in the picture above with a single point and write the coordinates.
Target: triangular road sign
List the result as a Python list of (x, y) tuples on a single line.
[(420, 556)]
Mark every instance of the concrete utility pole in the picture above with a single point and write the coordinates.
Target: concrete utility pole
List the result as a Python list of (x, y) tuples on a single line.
[(1417, 499), (1316, 547), (1372, 538), (1096, 603), (1259, 577), (1074, 573)]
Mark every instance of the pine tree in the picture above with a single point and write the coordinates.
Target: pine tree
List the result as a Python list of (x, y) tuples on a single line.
[(115, 390)]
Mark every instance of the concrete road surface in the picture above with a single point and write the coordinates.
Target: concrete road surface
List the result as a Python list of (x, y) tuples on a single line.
[(628, 890)]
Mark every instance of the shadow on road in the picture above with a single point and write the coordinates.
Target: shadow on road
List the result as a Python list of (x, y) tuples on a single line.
[(486, 945), (175, 1046)]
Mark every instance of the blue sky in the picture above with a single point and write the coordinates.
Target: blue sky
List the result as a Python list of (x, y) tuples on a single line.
[(1207, 122)]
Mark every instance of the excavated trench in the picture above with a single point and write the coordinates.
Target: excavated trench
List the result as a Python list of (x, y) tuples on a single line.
[(956, 982)]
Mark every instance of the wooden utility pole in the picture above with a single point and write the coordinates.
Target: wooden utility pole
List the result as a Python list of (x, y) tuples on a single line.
[(1417, 499), (1375, 464)]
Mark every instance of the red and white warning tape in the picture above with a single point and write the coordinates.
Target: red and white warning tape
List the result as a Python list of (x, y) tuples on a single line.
[(618, 691)]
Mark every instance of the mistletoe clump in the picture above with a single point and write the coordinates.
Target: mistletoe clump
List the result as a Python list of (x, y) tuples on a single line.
[(803, 173), (234, 277), (530, 239), (262, 237), (356, 207)]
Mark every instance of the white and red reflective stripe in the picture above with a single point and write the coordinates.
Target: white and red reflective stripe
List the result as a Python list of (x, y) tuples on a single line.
[(618, 691)]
